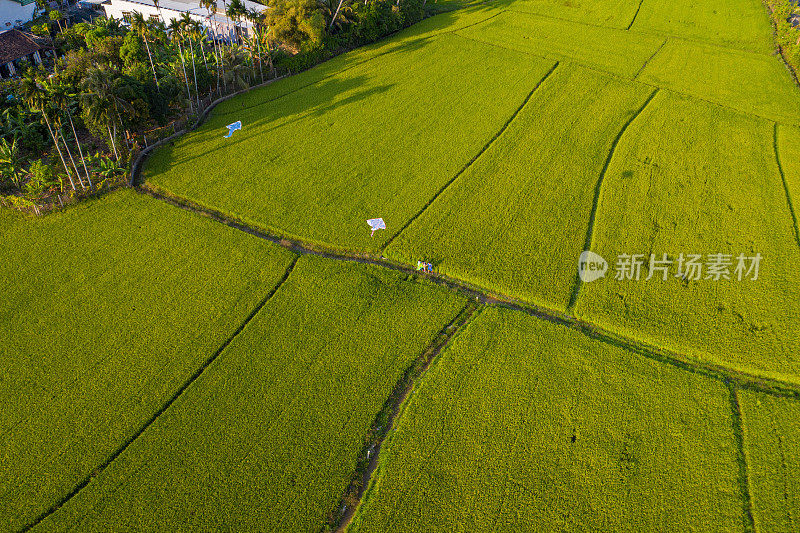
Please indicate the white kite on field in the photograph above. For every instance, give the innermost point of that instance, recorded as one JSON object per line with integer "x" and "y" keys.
{"x": 376, "y": 224}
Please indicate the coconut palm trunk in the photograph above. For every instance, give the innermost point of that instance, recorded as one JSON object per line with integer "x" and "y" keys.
{"x": 152, "y": 65}
{"x": 185, "y": 76}
{"x": 58, "y": 147}
{"x": 71, "y": 159}
{"x": 80, "y": 150}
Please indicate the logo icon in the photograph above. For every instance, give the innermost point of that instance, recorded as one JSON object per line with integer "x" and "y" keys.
{"x": 591, "y": 267}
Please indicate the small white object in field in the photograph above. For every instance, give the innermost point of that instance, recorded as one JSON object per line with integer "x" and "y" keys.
{"x": 233, "y": 127}
{"x": 376, "y": 224}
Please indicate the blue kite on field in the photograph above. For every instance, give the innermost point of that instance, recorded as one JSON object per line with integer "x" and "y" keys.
{"x": 233, "y": 127}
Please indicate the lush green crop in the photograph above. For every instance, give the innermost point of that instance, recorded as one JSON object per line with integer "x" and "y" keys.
{"x": 736, "y": 23}
{"x": 749, "y": 82}
{"x": 524, "y": 425}
{"x": 516, "y": 220}
{"x": 361, "y": 144}
{"x": 107, "y": 309}
{"x": 789, "y": 153}
{"x": 694, "y": 178}
{"x": 772, "y": 441}
{"x": 611, "y": 50}
{"x": 611, "y": 13}
{"x": 267, "y": 437}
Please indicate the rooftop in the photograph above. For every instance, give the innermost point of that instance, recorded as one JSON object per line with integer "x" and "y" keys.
{"x": 15, "y": 44}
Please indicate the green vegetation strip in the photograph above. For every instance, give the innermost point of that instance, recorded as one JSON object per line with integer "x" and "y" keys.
{"x": 693, "y": 178}
{"x": 268, "y": 436}
{"x": 521, "y": 424}
{"x": 772, "y": 443}
{"x": 107, "y": 309}
{"x": 361, "y": 144}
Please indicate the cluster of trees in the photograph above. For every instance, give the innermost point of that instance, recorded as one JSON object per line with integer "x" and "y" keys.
{"x": 787, "y": 36}
{"x": 68, "y": 125}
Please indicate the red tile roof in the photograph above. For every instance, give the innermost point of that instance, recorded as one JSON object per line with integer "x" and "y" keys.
{"x": 15, "y": 44}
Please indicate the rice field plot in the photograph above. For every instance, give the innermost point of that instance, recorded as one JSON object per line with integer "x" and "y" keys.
{"x": 107, "y": 309}
{"x": 788, "y": 147}
{"x": 611, "y": 13}
{"x": 377, "y": 140}
{"x": 772, "y": 443}
{"x": 516, "y": 221}
{"x": 696, "y": 179}
{"x": 610, "y": 50}
{"x": 742, "y": 24}
{"x": 752, "y": 83}
{"x": 268, "y": 436}
{"x": 524, "y": 425}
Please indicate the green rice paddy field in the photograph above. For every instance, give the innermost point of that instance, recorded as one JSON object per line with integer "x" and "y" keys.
{"x": 170, "y": 372}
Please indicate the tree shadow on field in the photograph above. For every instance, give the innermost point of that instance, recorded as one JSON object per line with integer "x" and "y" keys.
{"x": 405, "y": 46}
{"x": 297, "y": 108}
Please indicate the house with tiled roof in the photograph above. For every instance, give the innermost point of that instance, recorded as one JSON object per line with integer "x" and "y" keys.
{"x": 18, "y": 46}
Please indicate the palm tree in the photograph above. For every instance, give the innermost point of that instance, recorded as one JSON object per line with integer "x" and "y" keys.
{"x": 234, "y": 11}
{"x": 59, "y": 100}
{"x": 235, "y": 66}
{"x": 37, "y": 99}
{"x": 55, "y": 16}
{"x": 175, "y": 35}
{"x": 103, "y": 101}
{"x": 63, "y": 98}
{"x": 211, "y": 7}
{"x": 255, "y": 19}
{"x": 188, "y": 26}
{"x": 141, "y": 26}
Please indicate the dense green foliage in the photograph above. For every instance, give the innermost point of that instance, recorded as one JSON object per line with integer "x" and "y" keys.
{"x": 523, "y": 425}
{"x": 107, "y": 309}
{"x": 694, "y": 178}
{"x": 267, "y": 438}
{"x": 489, "y": 227}
{"x": 359, "y": 144}
{"x": 772, "y": 441}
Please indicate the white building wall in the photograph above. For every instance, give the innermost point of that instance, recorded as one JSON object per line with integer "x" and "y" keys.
{"x": 174, "y": 10}
{"x": 11, "y": 11}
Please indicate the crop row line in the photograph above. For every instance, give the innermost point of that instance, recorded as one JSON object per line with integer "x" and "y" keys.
{"x": 471, "y": 161}
{"x": 647, "y": 61}
{"x": 635, "y": 15}
{"x": 392, "y": 409}
{"x": 743, "y": 379}
{"x": 785, "y": 185}
{"x": 741, "y": 459}
{"x": 161, "y": 410}
{"x": 573, "y": 299}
